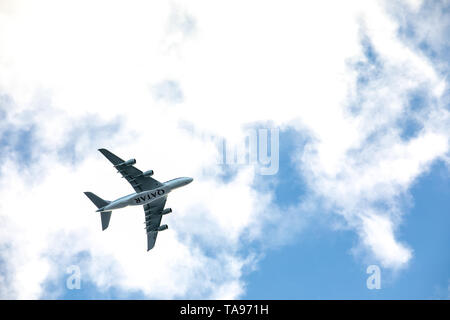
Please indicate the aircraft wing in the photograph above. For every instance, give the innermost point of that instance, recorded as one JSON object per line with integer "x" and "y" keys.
{"x": 153, "y": 220}
{"x": 131, "y": 174}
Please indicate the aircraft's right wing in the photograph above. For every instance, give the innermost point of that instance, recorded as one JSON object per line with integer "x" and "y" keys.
{"x": 153, "y": 220}
{"x": 131, "y": 174}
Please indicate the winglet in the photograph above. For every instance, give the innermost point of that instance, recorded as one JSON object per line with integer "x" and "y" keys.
{"x": 115, "y": 160}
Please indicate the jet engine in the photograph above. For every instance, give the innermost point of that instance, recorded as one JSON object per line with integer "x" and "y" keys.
{"x": 148, "y": 173}
{"x": 166, "y": 211}
{"x": 128, "y": 163}
{"x": 162, "y": 227}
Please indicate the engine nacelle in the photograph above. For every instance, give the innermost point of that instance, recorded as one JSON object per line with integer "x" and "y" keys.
{"x": 148, "y": 173}
{"x": 162, "y": 227}
{"x": 166, "y": 211}
{"x": 128, "y": 163}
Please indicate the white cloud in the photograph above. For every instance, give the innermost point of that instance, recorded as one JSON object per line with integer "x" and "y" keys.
{"x": 378, "y": 234}
{"x": 414, "y": 4}
{"x": 291, "y": 63}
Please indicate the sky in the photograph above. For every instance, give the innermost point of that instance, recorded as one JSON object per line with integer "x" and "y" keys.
{"x": 317, "y": 134}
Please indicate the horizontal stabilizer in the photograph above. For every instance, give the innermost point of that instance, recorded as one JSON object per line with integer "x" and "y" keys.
{"x": 99, "y": 202}
{"x": 106, "y": 216}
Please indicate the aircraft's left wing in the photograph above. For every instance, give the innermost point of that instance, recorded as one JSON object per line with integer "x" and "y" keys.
{"x": 134, "y": 176}
{"x": 153, "y": 220}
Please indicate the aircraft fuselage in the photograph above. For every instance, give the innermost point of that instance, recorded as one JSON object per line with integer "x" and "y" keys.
{"x": 145, "y": 197}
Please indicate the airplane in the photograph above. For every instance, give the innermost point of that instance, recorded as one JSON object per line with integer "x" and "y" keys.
{"x": 150, "y": 193}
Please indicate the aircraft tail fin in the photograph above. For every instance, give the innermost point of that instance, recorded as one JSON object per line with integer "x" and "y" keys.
{"x": 100, "y": 203}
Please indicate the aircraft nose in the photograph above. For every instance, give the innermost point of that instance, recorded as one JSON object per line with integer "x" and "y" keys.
{"x": 189, "y": 180}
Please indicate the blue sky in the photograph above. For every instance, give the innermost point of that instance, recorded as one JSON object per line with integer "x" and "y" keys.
{"x": 319, "y": 265}
{"x": 361, "y": 105}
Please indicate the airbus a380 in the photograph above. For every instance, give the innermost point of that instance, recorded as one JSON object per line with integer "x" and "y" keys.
{"x": 150, "y": 193}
